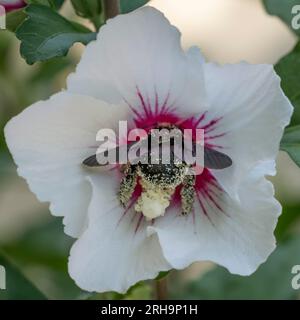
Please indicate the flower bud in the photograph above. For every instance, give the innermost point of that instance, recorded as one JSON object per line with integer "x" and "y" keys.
{"x": 10, "y": 5}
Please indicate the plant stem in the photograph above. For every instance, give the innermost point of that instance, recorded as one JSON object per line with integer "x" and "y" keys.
{"x": 111, "y": 8}
{"x": 161, "y": 288}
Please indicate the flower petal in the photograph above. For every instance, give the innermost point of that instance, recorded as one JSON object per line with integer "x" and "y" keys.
{"x": 114, "y": 252}
{"x": 240, "y": 237}
{"x": 137, "y": 57}
{"x": 49, "y": 141}
{"x": 253, "y": 112}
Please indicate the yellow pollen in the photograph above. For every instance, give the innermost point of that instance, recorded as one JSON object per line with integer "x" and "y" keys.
{"x": 154, "y": 200}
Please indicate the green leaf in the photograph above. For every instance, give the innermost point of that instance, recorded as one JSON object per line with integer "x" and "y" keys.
{"x": 18, "y": 287}
{"x": 271, "y": 281}
{"x": 288, "y": 68}
{"x": 41, "y": 2}
{"x": 291, "y": 143}
{"x": 14, "y": 19}
{"x": 54, "y": 4}
{"x": 130, "y": 5}
{"x": 282, "y": 9}
{"x": 45, "y": 34}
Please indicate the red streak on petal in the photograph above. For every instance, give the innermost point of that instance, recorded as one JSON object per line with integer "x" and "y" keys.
{"x": 203, "y": 185}
{"x": 164, "y": 106}
{"x": 130, "y": 205}
{"x": 146, "y": 107}
{"x": 210, "y": 126}
{"x": 141, "y": 218}
{"x": 215, "y": 136}
{"x": 212, "y": 199}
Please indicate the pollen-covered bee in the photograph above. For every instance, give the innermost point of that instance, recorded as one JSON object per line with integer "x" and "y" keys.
{"x": 159, "y": 178}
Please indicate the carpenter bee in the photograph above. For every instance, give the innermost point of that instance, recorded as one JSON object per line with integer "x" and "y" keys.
{"x": 159, "y": 179}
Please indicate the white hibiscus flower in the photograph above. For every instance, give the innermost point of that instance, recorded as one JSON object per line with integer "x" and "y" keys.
{"x": 136, "y": 70}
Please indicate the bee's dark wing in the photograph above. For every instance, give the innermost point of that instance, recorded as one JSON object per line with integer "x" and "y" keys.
{"x": 215, "y": 159}
{"x": 212, "y": 159}
{"x": 92, "y": 161}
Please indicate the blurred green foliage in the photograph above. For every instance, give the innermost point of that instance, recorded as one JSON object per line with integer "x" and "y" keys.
{"x": 288, "y": 68}
{"x": 130, "y": 5}
{"x": 87, "y": 8}
{"x": 42, "y": 254}
{"x": 282, "y": 9}
{"x": 271, "y": 281}
{"x": 21, "y": 85}
{"x": 18, "y": 287}
{"x": 33, "y": 260}
{"x": 289, "y": 218}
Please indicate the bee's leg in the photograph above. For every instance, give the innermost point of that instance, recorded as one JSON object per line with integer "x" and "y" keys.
{"x": 127, "y": 185}
{"x": 187, "y": 194}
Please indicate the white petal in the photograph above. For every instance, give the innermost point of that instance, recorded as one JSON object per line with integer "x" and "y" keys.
{"x": 112, "y": 255}
{"x": 240, "y": 238}
{"x": 49, "y": 141}
{"x": 140, "y": 52}
{"x": 254, "y": 112}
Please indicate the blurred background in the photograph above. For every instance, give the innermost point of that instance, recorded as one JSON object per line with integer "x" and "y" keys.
{"x": 32, "y": 242}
